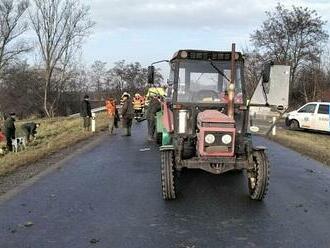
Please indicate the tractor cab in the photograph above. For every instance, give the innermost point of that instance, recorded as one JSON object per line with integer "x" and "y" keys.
{"x": 201, "y": 82}
{"x": 203, "y": 77}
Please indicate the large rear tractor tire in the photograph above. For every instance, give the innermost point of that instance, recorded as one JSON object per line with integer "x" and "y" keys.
{"x": 258, "y": 176}
{"x": 168, "y": 175}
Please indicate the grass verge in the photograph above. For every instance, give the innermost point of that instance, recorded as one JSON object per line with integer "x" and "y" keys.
{"x": 312, "y": 144}
{"x": 53, "y": 135}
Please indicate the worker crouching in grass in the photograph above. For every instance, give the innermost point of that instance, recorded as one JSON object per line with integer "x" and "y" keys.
{"x": 127, "y": 113}
{"x": 30, "y": 130}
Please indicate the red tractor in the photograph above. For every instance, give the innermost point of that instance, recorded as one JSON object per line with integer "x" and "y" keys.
{"x": 205, "y": 120}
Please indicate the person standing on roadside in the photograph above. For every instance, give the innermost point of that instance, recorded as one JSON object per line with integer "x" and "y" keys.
{"x": 110, "y": 106}
{"x": 10, "y": 130}
{"x": 127, "y": 113}
{"x": 86, "y": 113}
{"x": 154, "y": 107}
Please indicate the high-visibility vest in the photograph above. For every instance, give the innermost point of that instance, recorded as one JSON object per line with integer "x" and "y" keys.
{"x": 111, "y": 108}
{"x": 137, "y": 103}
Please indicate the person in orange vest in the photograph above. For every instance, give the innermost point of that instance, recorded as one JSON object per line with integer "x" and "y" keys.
{"x": 138, "y": 105}
{"x": 112, "y": 112}
{"x": 142, "y": 100}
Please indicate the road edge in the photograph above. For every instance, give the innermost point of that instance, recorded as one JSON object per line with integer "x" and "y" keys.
{"x": 52, "y": 168}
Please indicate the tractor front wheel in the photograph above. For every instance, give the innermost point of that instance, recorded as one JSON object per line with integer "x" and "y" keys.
{"x": 258, "y": 176}
{"x": 168, "y": 175}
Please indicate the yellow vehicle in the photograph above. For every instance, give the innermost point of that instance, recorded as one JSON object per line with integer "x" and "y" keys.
{"x": 155, "y": 91}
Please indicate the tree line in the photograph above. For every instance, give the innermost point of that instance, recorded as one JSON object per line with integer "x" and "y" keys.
{"x": 53, "y": 32}
{"x": 297, "y": 37}
{"x": 22, "y": 87}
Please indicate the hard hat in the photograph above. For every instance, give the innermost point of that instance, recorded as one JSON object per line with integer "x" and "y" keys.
{"x": 126, "y": 94}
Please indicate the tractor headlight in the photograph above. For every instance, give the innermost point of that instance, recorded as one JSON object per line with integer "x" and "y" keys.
{"x": 210, "y": 139}
{"x": 226, "y": 139}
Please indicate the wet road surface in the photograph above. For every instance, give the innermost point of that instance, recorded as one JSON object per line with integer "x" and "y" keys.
{"x": 109, "y": 196}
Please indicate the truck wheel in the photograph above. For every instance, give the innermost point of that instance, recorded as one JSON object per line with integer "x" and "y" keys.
{"x": 294, "y": 125}
{"x": 168, "y": 175}
{"x": 258, "y": 177}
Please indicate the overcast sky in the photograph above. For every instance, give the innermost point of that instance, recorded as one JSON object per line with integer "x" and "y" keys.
{"x": 149, "y": 30}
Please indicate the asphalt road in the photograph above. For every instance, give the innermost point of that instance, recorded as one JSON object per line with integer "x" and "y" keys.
{"x": 109, "y": 196}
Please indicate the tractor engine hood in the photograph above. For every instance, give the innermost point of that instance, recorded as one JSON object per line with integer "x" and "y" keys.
{"x": 215, "y": 117}
{"x": 216, "y": 136}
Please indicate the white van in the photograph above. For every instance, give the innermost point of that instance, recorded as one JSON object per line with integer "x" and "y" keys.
{"x": 313, "y": 115}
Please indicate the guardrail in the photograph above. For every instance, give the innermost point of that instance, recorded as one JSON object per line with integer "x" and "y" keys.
{"x": 95, "y": 110}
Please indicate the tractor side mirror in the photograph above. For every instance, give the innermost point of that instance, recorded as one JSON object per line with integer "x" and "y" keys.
{"x": 273, "y": 88}
{"x": 151, "y": 74}
{"x": 266, "y": 76}
{"x": 266, "y": 72}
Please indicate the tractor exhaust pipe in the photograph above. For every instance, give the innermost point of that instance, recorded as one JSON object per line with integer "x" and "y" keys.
{"x": 231, "y": 87}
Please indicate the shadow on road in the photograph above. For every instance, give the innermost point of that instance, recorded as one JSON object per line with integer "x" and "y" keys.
{"x": 209, "y": 193}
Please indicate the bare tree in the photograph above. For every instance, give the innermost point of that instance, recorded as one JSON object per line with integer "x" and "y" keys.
{"x": 295, "y": 37}
{"x": 22, "y": 86}
{"x": 254, "y": 62}
{"x": 79, "y": 82}
{"x": 98, "y": 76}
{"x": 12, "y": 26}
{"x": 131, "y": 76}
{"x": 60, "y": 26}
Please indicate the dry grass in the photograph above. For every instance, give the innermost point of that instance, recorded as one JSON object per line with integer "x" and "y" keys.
{"x": 53, "y": 135}
{"x": 313, "y": 144}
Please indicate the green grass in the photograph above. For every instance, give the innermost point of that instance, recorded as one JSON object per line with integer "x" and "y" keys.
{"x": 53, "y": 135}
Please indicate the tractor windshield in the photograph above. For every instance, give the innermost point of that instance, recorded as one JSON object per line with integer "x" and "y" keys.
{"x": 206, "y": 81}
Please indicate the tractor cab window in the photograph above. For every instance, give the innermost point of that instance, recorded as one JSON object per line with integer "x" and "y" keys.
{"x": 170, "y": 85}
{"x": 206, "y": 82}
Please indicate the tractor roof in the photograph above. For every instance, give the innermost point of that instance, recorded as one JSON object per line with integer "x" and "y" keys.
{"x": 206, "y": 55}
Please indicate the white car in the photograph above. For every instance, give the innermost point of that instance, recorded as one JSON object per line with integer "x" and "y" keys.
{"x": 313, "y": 115}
